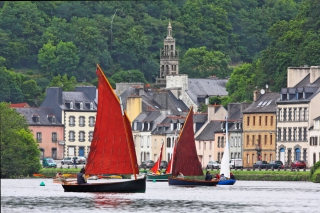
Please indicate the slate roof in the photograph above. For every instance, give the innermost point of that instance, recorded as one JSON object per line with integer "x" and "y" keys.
{"x": 265, "y": 103}
{"x": 201, "y": 88}
{"x": 200, "y": 118}
{"x": 45, "y": 116}
{"x": 208, "y": 132}
{"x": 164, "y": 126}
{"x": 169, "y": 101}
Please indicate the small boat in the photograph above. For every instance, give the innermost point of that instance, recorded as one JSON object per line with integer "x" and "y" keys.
{"x": 154, "y": 176}
{"x": 185, "y": 158}
{"x": 112, "y": 148}
{"x": 225, "y": 165}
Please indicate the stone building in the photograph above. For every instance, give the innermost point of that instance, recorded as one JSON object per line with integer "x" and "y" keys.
{"x": 296, "y": 110}
{"x": 259, "y": 129}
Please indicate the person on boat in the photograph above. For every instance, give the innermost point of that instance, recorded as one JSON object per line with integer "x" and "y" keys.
{"x": 180, "y": 175}
{"x": 208, "y": 176}
{"x": 81, "y": 177}
{"x": 217, "y": 176}
{"x": 231, "y": 176}
{"x": 222, "y": 178}
{"x": 59, "y": 175}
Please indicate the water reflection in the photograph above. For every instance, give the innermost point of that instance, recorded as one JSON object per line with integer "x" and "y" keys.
{"x": 245, "y": 196}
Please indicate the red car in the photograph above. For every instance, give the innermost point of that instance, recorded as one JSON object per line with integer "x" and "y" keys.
{"x": 298, "y": 164}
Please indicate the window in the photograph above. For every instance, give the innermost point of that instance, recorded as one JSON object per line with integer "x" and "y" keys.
{"x": 289, "y": 134}
{"x": 279, "y": 134}
{"x": 265, "y": 157}
{"x": 247, "y": 140}
{"x": 90, "y": 136}
{"x": 54, "y": 137}
{"x": 81, "y": 136}
{"x": 294, "y": 114}
{"x": 218, "y": 142}
{"x": 71, "y": 105}
{"x": 38, "y": 119}
{"x": 265, "y": 140}
{"x": 304, "y": 154}
{"x": 300, "y": 134}
{"x": 300, "y": 114}
{"x": 297, "y": 154}
{"x": 231, "y": 155}
{"x": 53, "y": 119}
{"x": 81, "y": 105}
{"x": 141, "y": 141}
{"x": 270, "y": 139}
{"x": 91, "y": 120}
{"x": 222, "y": 142}
{"x": 260, "y": 120}
{"x": 284, "y": 134}
{"x": 290, "y": 114}
{"x": 253, "y": 158}
{"x": 231, "y": 142}
{"x": 304, "y": 134}
{"x": 248, "y": 159}
{"x": 71, "y": 121}
{"x": 271, "y": 121}
{"x": 235, "y": 141}
{"x": 266, "y": 120}
{"x": 239, "y": 141}
{"x": 271, "y": 157}
{"x": 248, "y": 121}
{"x": 91, "y": 106}
{"x": 71, "y": 150}
{"x": 253, "y": 140}
{"x": 284, "y": 114}
{"x": 71, "y": 136}
{"x": 148, "y": 141}
{"x": 305, "y": 116}
{"x": 81, "y": 121}
{"x": 294, "y": 134}
{"x": 39, "y": 137}
{"x": 218, "y": 156}
{"x": 254, "y": 120}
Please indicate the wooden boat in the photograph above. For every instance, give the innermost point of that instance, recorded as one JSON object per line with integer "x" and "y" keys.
{"x": 112, "y": 148}
{"x": 185, "y": 158}
{"x": 154, "y": 176}
{"x": 225, "y": 165}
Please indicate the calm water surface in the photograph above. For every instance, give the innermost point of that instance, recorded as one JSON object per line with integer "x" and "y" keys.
{"x": 26, "y": 195}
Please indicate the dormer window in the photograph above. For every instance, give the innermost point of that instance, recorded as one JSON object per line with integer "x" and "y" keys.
{"x": 36, "y": 118}
{"x": 135, "y": 124}
{"x": 71, "y": 105}
{"x": 148, "y": 126}
{"x": 142, "y": 126}
{"x": 171, "y": 126}
{"x": 91, "y": 106}
{"x": 81, "y": 105}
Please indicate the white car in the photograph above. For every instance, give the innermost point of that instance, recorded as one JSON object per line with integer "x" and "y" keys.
{"x": 213, "y": 165}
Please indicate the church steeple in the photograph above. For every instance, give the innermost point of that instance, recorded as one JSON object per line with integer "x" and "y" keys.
{"x": 169, "y": 58}
{"x": 169, "y": 35}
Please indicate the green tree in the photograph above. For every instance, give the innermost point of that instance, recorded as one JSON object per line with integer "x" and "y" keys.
{"x": 47, "y": 59}
{"x": 20, "y": 154}
{"x": 129, "y": 76}
{"x": 30, "y": 91}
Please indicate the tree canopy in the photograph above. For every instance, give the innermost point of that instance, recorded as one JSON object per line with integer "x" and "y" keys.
{"x": 20, "y": 155}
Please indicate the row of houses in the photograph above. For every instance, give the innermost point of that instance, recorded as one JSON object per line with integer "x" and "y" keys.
{"x": 275, "y": 126}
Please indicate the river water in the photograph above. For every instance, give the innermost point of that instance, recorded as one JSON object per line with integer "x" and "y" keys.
{"x": 26, "y": 195}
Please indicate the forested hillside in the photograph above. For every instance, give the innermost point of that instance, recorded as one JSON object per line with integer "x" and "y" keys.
{"x": 58, "y": 43}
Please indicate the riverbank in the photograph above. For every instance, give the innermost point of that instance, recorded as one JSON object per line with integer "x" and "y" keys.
{"x": 257, "y": 175}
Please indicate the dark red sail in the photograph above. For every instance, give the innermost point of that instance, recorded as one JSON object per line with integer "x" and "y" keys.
{"x": 185, "y": 159}
{"x": 112, "y": 148}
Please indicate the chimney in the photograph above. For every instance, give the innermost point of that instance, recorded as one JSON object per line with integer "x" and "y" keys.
{"x": 314, "y": 73}
{"x": 255, "y": 94}
{"x": 54, "y": 94}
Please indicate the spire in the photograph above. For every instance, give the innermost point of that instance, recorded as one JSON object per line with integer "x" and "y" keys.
{"x": 169, "y": 35}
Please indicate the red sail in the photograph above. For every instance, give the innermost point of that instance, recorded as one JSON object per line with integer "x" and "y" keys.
{"x": 168, "y": 170}
{"x": 156, "y": 166}
{"x": 185, "y": 159}
{"x": 112, "y": 149}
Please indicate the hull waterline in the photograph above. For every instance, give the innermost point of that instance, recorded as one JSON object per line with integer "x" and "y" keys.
{"x": 163, "y": 177}
{"x": 127, "y": 186}
{"x": 188, "y": 182}
{"x": 227, "y": 182}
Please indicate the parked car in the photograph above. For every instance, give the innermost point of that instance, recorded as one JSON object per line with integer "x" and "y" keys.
{"x": 143, "y": 165}
{"x": 149, "y": 164}
{"x": 276, "y": 164}
{"x": 298, "y": 164}
{"x": 236, "y": 163}
{"x": 260, "y": 164}
{"x": 163, "y": 164}
{"x": 213, "y": 165}
{"x": 67, "y": 161}
{"x": 81, "y": 160}
{"x": 49, "y": 163}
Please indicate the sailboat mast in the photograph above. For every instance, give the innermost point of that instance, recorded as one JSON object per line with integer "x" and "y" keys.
{"x": 127, "y": 137}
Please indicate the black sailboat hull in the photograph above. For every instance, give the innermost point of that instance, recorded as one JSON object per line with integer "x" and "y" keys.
{"x": 127, "y": 186}
{"x": 188, "y": 182}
